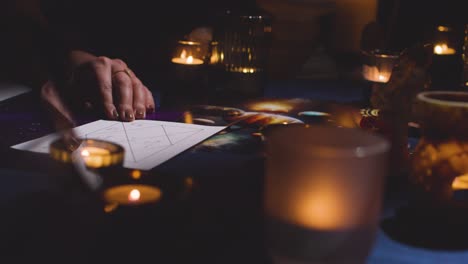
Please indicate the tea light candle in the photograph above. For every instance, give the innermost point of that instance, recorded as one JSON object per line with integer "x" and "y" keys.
{"x": 188, "y": 53}
{"x": 132, "y": 194}
{"x": 95, "y": 153}
{"x": 443, "y": 49}
{"x": 189, "y": 60}
{"x": 378, "y": 65}
{"x": 94, "y": 157}
{"x": 444, "y": 40}
{"x": 323, "y": 189}
{"x": 318, "y": 191}
{"x": 372, "y": 73}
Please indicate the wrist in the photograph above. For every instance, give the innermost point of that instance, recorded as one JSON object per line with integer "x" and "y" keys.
{"x": 78, "y": 57}
{"x": 74, "y": 59}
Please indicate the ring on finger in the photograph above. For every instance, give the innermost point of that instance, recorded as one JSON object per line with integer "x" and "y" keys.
{"x": 126, "y": 71}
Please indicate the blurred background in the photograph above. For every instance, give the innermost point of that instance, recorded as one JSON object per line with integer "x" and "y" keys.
{"x": 317, "y": 39}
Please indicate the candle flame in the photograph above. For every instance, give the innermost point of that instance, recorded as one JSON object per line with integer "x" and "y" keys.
{"x": 134, "y": 195}
{"x": 442, "y": 49}
{"x": 190, "y": 60}
{"x": 443, "y": 28}
{"x": 183, "y": 54}
{"x": 85, "y": 153}
{"x": 438, "y": 49}
{"x": 374, "y": 74}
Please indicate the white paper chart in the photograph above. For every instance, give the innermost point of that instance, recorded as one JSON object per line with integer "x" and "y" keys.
{"x": 147, "y": 143}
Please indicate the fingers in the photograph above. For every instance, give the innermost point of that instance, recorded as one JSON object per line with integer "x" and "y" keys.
{"x": 139, "y": 98}
{"x": 149, "y": 101}
{"x": 123, "y": 89}
{"x": 103, "y": 72}
{"x": 134, "y": 98}
{"x": 124, "y": 97}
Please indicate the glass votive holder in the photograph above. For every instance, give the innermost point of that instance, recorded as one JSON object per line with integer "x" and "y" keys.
{"x": 445, "y": 40}
{"x": 378, "y": 65}
{"x": 97, "y": 154}
{"x": 101, "y": 158}
{"x": 130, "y": 195}
{"x": 323, "y": 193}
{"x": 243, "y": 41}
{"x": 188, "y": 73}
{"x": 447, "y": 66}
{"x": 188, "y": 53}
{"x": 215, "y": 54}
{"x": 440, "y": 159}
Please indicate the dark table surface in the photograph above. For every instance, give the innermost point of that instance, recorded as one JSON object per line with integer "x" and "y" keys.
{"x": 212, "y": 213}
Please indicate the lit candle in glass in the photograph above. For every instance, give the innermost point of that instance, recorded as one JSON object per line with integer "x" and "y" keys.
{"x": 132, "y": 194}
{"x": 216, "y": 56}
{"x": 188, "y": 53}
{"x": 95, "y": 153}
{"x": 378, "y": 65}
{"x": 94, "y": 156}
{"x": 443, "y": 41}
{"x": 323, "y": 190}
{"x": 443, "y": 49}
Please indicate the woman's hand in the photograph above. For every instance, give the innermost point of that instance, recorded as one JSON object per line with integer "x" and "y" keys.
{"x": 109, "y": 86}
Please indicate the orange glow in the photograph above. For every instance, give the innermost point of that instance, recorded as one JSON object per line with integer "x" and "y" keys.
{"x": 443, "y": 28}
{"x": 243, "y": 69}
{"x": 189, "y": 181}
{"x": 134, "y": 195}
{"x": 323, "y": 209}
{"x": 184, "y": 58}
{"x": 271, "y": 107}
{"x": 443, "y": 49}
{"x": 95, "y": 157}
{"x": 460, "y": 182}
{"x": 190, "y": 60}
{"x": 188, "y": 117}
{"x": 136, "y": 174}
{"x": 110, "y": 207}
{"x": 372, "y": 73}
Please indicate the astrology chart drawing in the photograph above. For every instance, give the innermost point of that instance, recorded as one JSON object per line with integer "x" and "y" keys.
{"x": 147, "y": 143}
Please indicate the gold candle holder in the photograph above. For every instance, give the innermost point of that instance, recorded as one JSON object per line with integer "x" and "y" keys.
{"x": 97, "y": 154}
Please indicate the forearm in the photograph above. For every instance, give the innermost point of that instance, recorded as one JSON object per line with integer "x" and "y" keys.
{"x": 63, "y": 44}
